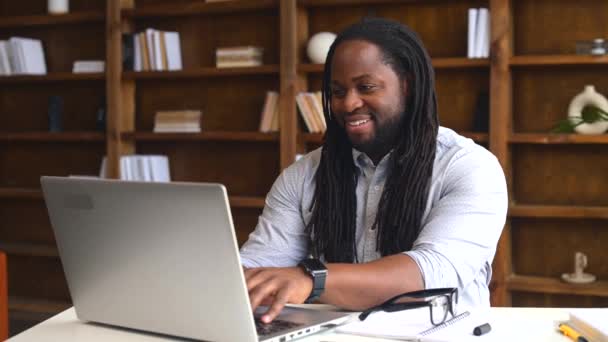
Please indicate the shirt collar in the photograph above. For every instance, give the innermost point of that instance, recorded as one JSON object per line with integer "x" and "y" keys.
{"x": 362, "y": 160}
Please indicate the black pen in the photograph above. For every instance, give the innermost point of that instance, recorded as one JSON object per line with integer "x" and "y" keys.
{"x": 482, "y": 329}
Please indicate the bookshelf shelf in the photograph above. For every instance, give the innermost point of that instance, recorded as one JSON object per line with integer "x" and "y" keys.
{"x": 321, "y": 3}
{"x": 557, "y": 60}
{"x": 53, "y": 77}
{"x": 558, "y": 211}
{"x": 201, "y": 72}
{"x": 541, "y": 138}
{"x": 29, "y": 249}
{"x": 52, "y": 137}
{"x": 36, "y": 305}
{"x": 200, "y": 8}
{"x": 556, "y": 286}
{"x": 45, "y": 20}
{"x": 20, "y": 193}
{"x": 438, "y": 63}
{"x": 317, "y": 138}
{"x": 204, "y": 136}
{"x": 247, "y": 202}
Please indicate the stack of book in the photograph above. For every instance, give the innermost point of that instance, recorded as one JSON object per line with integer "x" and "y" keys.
{"x": 144, "y": 168}
{"x": 479, "y": 33}
{"x": 269, "y": 121}
{"x": 22, "y": 56}
{"x": 178, "y": 121}
{"x": 152, "y": 50}
{"x": 311, "y": 109}
{"x": 88, "y": 66}
{"x": 238, "y": 56}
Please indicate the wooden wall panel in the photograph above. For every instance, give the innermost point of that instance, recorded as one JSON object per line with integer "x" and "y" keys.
{"x": 560, "y": 175}
{"x": 558, "y": 301}
{"x": 457, "y": 93}
{"x": 546, "y": 27}
{"x": 205, "y": 34}
{"x": 443, "y": 29}
{"x": 25, "y": 220}
{"x": 228, "y": 104}
{"x": 541, "y": 95}
{"x": 546, "y": 247}
{"x": 24, "y": 107}
{"x": 22, "y": 164}
{"x": 63, "y": 44}
{"x": 246, "y": 169}
{"x": 36, "y": 7}
{"x": 37, "y": 277}
{"x": 245, "y": 221}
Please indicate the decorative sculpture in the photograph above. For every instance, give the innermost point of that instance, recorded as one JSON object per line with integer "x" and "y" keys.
{"x": 579, "y": 277}
{"x": 318, "y": 46}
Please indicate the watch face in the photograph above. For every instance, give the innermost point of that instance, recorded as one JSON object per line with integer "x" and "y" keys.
{"x": 314, "y": 264}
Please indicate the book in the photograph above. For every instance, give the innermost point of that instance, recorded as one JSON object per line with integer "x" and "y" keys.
{"x": 177, "y": 121}
{"x": 268, "y": 111}
{"x": 238, "y": 56}
{"x": 472, "y": 32}
{"x": 145, "y": 168}
{"x": 88, "y": 66}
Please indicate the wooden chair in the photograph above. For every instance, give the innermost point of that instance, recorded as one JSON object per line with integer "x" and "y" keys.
{"x": 3, "y": 298}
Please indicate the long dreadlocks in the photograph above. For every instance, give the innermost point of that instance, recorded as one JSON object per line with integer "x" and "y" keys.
{"x": 334, "y": 207}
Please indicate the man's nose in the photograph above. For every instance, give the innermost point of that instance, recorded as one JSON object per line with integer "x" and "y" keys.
{"x": 352, "y": 101}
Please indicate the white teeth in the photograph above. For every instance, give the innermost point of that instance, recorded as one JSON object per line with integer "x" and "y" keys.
{"x": 358, "y": 122}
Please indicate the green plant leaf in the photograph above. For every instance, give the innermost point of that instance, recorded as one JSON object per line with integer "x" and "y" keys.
{"x": 564, "y": 126}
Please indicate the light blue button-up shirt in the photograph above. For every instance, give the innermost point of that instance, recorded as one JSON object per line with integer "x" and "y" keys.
{"x": 464, "y": 216}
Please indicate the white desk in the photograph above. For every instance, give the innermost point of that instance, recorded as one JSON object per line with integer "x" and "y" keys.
{"x": 508, "y": 324}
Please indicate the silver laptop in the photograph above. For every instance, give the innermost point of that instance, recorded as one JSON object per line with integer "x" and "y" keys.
{"x": 160, "y": 257}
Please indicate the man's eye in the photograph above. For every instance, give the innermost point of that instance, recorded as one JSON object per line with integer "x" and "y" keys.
{"x": 338, "y": 93}
{"x": 366, "y": 87}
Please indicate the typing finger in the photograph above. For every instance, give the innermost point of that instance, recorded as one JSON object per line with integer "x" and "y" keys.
{"x": 280, "y": 299}
{"x": 261, "y": 292}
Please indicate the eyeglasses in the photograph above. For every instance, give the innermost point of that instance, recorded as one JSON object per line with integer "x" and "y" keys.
{"x": 440, "y": 301}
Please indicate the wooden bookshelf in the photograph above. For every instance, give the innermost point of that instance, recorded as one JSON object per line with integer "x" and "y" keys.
{"x": 438, "y": 63}
{"x": 36, "y": 305}
{"x": 558, "y": 211}
{"x": 53, "y": 137}
{"x": 202, "y": 72}
{"x": 247, "y": 202}
{"x": 199, "y": 8}
{"x": 203, "y": 136}
{"x": 556, "y": 286}
{"x": 544, "y": 138}
{"x": 47, "y": 20}
{"x": 53, "y": 77}
{"x": 29, "y": 249}
{"x": 558, "y": 60}
{"x": 20, "y": 193}
{"x": 29, "y": 150}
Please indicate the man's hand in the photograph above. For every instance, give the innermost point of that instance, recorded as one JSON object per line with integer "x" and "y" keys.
{"x": 276, "y": 287}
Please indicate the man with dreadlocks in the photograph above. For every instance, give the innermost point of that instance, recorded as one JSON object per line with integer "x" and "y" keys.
{"x": 391, "y": 202}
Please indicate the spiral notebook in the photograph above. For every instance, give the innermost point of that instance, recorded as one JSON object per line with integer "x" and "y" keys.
{"x": 414, "y": 325}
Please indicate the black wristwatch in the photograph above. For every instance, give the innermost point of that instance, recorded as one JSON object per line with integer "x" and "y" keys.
{"x": 318, "y": 272}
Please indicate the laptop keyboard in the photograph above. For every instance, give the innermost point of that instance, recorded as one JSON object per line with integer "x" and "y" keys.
{"x": 273, "y": 327}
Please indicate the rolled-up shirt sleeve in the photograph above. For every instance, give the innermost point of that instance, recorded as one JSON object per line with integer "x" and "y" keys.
{"x": 459, "y": 236}
{"x": 279, "y": 239}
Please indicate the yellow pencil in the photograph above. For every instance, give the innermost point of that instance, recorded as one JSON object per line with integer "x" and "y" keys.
{"x": 570, "y": 332}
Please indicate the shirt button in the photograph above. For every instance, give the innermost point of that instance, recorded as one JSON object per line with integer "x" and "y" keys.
{"x": 377, "y": 187}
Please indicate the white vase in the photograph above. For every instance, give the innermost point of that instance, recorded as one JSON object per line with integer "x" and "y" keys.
{"x": 588, "y": 97}
{"x": 58, "y": 6}
{"x": 318, "y": 46}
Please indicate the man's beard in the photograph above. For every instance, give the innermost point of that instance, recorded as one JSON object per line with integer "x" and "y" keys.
{"x": 385, "y": 138}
